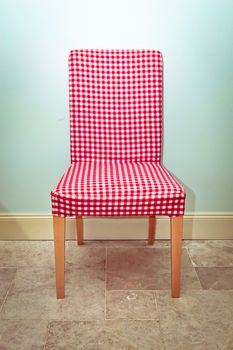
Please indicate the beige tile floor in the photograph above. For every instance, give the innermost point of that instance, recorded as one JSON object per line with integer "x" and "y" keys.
{"x": 117, "y": 297}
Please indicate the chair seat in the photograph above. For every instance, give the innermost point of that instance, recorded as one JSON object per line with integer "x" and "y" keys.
{"x": 116, "y": 188}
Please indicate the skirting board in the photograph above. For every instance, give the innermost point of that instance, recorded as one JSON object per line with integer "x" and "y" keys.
{"x": 39, "y": 227}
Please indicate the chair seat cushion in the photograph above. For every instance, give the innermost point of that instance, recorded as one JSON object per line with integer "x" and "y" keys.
{"x": 117, "y": 188}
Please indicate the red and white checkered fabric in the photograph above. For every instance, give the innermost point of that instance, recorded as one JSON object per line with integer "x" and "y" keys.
{"x": 116, "y": 137}
{"x": 115, "y": 105}
{"x": 109, "y": 188}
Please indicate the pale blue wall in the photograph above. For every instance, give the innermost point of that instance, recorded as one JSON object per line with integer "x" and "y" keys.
{"x": 196, "y": 39}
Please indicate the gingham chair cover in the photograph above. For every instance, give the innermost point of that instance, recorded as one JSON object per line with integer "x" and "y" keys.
{"x": 116, "y": 138}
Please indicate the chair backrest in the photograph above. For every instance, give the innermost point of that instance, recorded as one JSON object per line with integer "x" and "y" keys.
{"x": 115, "y": 105}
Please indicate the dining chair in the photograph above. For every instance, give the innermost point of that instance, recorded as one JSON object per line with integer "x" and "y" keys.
{"x": 116, "y": 99}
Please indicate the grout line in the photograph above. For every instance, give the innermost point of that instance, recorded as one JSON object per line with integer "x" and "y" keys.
{"x": 156, "y": 303}
{"x": 50, "y": 320}
{"x": 195, "y": 269}
{"x": 47, "y": 333}
{"x": 131, "y": 319}
{"x": 190, "y": 256}
{"x": 135, "y": 290}
{"x": 158, "y": 311}
{"x": 4, "y": 300}
{"x": 138, "y": 247}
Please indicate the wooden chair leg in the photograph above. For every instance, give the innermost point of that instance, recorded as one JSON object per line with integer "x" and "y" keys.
{"x": 79, "y": 229}
{"x": 59, "y": 245}
{"x": 176, "y": 230}
{"x": 151, "y": 230}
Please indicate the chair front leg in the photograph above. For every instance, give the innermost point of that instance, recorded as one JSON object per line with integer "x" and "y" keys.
{"x": 176, "y": 224}
{"x": 59, "y": 246}
{"x": 79, "y": 229}
{"x": 151, "y": 230}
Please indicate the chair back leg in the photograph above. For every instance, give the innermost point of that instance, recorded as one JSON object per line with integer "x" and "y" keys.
{"x": 79, "y": 229}
{"x": 151, "y": 230}
{"x": 176, "y": 224}
{"x": 59, "y": 246}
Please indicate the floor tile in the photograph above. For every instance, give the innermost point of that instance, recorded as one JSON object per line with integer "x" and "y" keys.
{"x": 116, "y": 243}
{"x": 143, "y": 269}
{"x": 211, "y": 253}
{"x": 105, "y": 335}
{"x": 146, "y": 257}
{"x": 42, "y": 254}
{"x": 6, "y": 277}
{"x": 84, "y": 257}
{"x": 26, "y": 253}
{"x": 132, "y": 305}
{"x": 162, "y": 243}
{"x": 23, "y": 335}
{"x": 215, "y": 277}
{"x": 32, "y": 295}
{"x": 160, "y": 278}
{"x": 200, "y": 320}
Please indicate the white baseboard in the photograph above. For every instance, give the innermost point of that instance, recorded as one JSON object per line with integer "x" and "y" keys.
{"x": 39, "y": 227}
